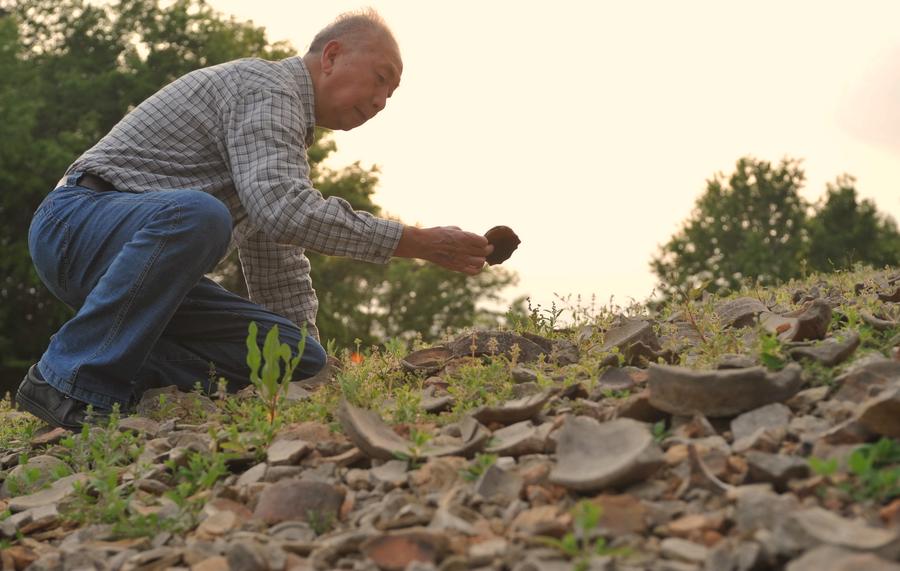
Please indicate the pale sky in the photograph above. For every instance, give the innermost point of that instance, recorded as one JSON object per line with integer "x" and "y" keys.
{"x": 590, "y": 128}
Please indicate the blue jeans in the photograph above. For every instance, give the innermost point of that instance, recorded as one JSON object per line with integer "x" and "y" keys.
{"x": 132, "y": 265}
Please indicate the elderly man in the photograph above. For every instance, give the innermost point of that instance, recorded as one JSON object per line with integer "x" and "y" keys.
{"x": 218, "y": 155}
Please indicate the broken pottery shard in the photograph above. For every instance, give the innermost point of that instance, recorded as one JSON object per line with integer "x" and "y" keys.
{"x": 830, "y": 558}
{"x": 592, "y": 456}
{"x": 881, "y": 414}
{"x": 893, "y": 297}
{"x": 400, "y": 550}
{"x": 519, "y": 439}
{"x": 877, "y": 322}
{"x": 810, "y": 324}
{"x": 512, "y": 411}
{"x": 490, "y": 343}
{"x": 777, "y": 469}
{"x": 376, "y": 439}
{"x": 370, "y": 434}
{"x": 504, "y": 241}
{"x": 632, "y": 338}
{"x": 427, "y": 361}
{"x": 686, "y": 392}
{"x": 830, "y": 352}
{"x": 740, "y": 312}
{"x": 814, "y": 526}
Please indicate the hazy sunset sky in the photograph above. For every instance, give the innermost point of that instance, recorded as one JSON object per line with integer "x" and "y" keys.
{"x": 590, "y": 128}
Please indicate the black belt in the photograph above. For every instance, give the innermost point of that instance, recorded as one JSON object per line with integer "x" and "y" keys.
{"x": 87, "y": 180}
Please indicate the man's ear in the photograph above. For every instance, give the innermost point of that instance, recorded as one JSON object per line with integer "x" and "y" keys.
{"x": 330, "y": 53}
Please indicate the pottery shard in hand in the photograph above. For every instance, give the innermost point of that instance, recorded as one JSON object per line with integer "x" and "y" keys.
{"x": 504, "y": 241}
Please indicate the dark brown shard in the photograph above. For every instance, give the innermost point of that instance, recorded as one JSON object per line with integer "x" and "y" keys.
{"x": 504, "y": 241}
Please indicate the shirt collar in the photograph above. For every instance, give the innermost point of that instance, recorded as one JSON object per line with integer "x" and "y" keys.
{"x": 307, "y": 95}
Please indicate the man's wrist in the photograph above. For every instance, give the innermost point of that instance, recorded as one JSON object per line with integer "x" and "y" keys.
{"x": 410, "y": 244}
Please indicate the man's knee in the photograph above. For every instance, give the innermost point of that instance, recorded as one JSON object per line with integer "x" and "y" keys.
{"x": 313, "y": 361}
{"x": 208, "y": 221}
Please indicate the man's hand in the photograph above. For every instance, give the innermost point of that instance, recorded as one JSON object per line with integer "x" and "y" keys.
{"x": 446, "y": 246}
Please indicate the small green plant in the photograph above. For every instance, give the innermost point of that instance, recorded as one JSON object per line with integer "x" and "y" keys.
{"x": 418, "y": 444}
{"x": 873, "y": 471}
{"x": 272, "y": 369}
{"x": 659, "y": 431}
{"x": 876, "y": 469}
{"x": 478, "y": 466}
{"x": 823, "y": 467}
{"x": 583, "y": 542}
{"x": 771, "y": 351}
{"x": 321, "y": 522}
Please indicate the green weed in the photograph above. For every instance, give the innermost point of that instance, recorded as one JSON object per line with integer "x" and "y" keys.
{"x": 272, "y": 368}
{"x": 583, "y": 542}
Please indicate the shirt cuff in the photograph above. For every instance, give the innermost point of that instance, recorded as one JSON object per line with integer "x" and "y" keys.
{"x": 385, "y": 237}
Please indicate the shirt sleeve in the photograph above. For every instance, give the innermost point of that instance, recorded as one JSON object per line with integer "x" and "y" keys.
{"x": 278, "y": 279}
{"x": 267, "y": 154}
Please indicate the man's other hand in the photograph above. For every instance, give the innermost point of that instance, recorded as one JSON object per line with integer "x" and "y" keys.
{"x": 446, "y": 246}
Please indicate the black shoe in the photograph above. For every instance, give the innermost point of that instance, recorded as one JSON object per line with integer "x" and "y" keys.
{"x": 54, "y": 407}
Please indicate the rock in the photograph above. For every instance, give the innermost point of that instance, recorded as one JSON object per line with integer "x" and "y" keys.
{"x": 876, "y": 323}
{"x": 830, "y": 558}
{"x": 246, "y": 555}
{"x": 392, "y": 473}
{"x": 286, "y": 452}
{"x": 740, "y": 312}
{"x": 770, "y": 416}
{"x": 812, "y": 527}
{"x": 682, "y": 391}
{"x": 735, "y": 362}
{"x": 638, "y": 407}
{"x": 621, "y": 514}
{"x": 613, "y": 379}
{"x": 512, "y": 411}
{"x": 499, "y": 485}
{"x": 436, "y": 400}
{"x": 632, "y": 338}
{"x": 830, "y": 352}
{"x": 521, "y": 374}
{"x": 881, "y": 414}
{"x": 57, "y": 492}
{"x": 758, "y": 507}
{"x": 490, "y": 343}
{"x": 52, "y": 436}
{"x": 504, "y": 241}
{"x": 140, "y": 425}
{"x": 396, "y": 550}
{"x": 215, "y": 563}
{"x": 865, "y": 375}
{"x": 681, "y": 549}
{"x": 427, "y": 361}
{"x": 45, "y": 467}
{"x": 178, "y": 404}
{"x": 776, "y": 469}
{"x": 592, "y": 456}
{"x": 519, "y": 439}
{"x": 253, "y": 475}
{"x": 812, "y": 323}
{"x": 542, "y": 520}
{"x": 377, "y": 440}
{"x": 299, "y": 500}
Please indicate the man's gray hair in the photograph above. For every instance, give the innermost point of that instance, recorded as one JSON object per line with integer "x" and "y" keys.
{"x": 352, "y": 26}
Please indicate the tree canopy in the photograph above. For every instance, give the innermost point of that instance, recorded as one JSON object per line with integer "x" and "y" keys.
{"x": 72, "y": 69}
{"x": 754, "y": 225}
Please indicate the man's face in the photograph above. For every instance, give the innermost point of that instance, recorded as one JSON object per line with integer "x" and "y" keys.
{"x": 357, "y": 80}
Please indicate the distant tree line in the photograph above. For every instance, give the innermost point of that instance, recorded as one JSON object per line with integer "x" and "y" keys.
{"x": 754, "y": 226}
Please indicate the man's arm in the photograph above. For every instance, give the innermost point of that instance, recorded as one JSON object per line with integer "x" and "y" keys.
{"x": 447, "y": 246}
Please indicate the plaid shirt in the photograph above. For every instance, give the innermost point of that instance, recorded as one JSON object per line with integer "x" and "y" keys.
{"x": 239, "y": 131}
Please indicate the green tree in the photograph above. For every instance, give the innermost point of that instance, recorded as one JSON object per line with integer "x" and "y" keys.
{"x": 845, "y": 231}
{"x": 749, "y": 225}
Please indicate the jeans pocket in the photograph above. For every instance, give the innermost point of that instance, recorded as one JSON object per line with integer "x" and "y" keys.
{"x": 48, "y": 242}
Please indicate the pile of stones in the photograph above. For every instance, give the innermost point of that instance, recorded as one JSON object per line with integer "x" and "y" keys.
{"x": 727, "y": 486}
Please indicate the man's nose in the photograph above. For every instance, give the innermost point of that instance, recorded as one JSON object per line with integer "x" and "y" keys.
{"x": 379, "y": 101}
